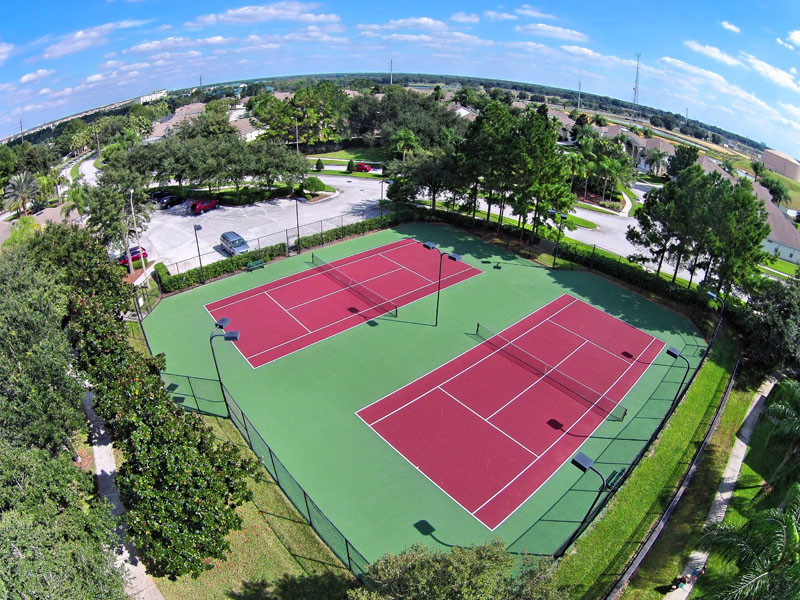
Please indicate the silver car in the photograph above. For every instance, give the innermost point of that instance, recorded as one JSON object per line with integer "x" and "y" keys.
{"x": 233, "y": 243}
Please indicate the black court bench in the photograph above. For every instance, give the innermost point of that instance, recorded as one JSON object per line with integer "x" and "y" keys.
{"x": 256, "y": 264}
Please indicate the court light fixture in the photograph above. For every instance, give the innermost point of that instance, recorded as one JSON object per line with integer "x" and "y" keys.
{"x": 197, "y": 228}
{"x": 673, "y": 352}
{"x": 452, "y": 256}
{"x": 584, "y": 464}
{"x": 228, "y": 336}
{"x": 721, "y": 299}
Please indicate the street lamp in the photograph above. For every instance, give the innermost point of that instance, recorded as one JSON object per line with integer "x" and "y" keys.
{"x": 136, "y": 231}
{"x": 452, "y": 256}
{"x": 675, "y": 353}
{"x": 561, "y": 218}
{"x": 584, "y": 463}
{"x": 721, "y": 299}
{"x": 229, "y": 336}
{"x": 197, "y": 243}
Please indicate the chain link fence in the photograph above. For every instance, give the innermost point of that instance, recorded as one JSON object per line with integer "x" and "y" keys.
{"x": 209, "y": 397}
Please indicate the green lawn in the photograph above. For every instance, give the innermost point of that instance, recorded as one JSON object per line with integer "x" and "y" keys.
{"x": 763, "y": 456}
{"x": 346, "y": 174}
{"x": 74, "y": 172}
{"x": 599, "y": 556}
{"x": 784, "y": 266}
{"x": 304, "y": 404}
{"x": 274, "y": 554}
{"x": 356, "y": 154}
{"x": 670, "y": 553}
{"x": 595, "y": 208}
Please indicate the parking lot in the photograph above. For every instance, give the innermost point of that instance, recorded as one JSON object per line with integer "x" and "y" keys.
{"x": 169, "y": 237}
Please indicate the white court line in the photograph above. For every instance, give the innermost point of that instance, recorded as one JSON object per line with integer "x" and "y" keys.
{"x": 311, "y": 272}
{"x": 561, "y": 437}
{"x": 538, "y": 380}
{"x": 404, "y": 266}
{"x": 287, "y": 312}
{"x": 356, "y": 314}
{"x": 595, "y": 344}
{"x": 518, "y": 443}
{"x": 345, "y": 289}
{"x": 465, "y": 369}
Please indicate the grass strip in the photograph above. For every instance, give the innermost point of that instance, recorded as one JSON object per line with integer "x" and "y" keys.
{"x": 350, "y": 174}
{"x": 670, "y": 553}
{"x": 594, "y": 208}
{"x": 274, "y": 555}
{"x": 784, "y": 266}
{"x": 354, "y": 154}
{"x": 600, "y": 555}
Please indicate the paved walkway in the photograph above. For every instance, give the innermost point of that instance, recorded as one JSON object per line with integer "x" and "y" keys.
{"x": 140, "y": 585}
{"x": 728, "y": 484}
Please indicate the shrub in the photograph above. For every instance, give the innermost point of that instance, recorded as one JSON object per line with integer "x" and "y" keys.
{"x": 313, "y": 184}
{"x": 351, "y": 166}
{"x": 175, "y": 283}
{"x": 319, "y": 166}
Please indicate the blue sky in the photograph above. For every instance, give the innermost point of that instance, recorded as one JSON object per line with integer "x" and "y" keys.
{"x": 733, "y": 64}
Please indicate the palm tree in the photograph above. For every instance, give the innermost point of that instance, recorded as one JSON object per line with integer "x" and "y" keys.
{"x": 404, "y": 140}
{"x": 765, "y": 551}
{"x": 576, "y": 164}
{"x": 758, "y": 168}
{"x": 783, "y": 407}
{"x": 21, "y": 190}
{"x": 76, "y": 199}
{"x": 655, "y": 159}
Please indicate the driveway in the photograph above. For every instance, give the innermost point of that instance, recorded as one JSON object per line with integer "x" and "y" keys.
{"x": 169, "y": 237}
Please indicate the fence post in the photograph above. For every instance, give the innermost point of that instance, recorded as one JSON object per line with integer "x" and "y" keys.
{"x": 347, "y": 549}
{"x": 287, "y": 242}
{"x": 274, "y": 468}
{"x": 194, "y": 396}
{"x": 321, "y": 233}
{"x": 308, "y": 510}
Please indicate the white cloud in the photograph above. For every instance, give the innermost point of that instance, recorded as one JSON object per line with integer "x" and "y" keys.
{"x": 314, "y": 33}
{"x": 278, "y": 11}
{"x": 5, "y": 51}
{"x": 730, "y": 27}
{"x": 462, "y": 17}
{"x": 36, "y": 75}
{"x": 164, "y": 27}
{"x": 784, "y": 44}
{"x": 776, "y": 75}
{"x": 499, "y": 16}
{"x": 6, "y": 87}
{"x": 551, "y": 31}
{"x": 714, "y": 53}
{"x": 526, "y": 45}
{"x": 178, "y": 42}
{"x": 87, "y": 38}
{"x": 794, "y": 37}
{"x": 62, "y": 93}
{"x": 528, "y": 11}
{"x": 794, "y": 111}
{"x": 444, "y": 39}
{"x": 45, "y": 91}
{"x": 95, "y": 78}
{"x": 605, "y": 59}
{"x": 370, "y": 30}
{"x": 134, "y": 67}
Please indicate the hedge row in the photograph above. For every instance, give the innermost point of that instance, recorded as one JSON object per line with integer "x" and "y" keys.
{"x": 174, "y": 283}
{"x": 367, "y": 225}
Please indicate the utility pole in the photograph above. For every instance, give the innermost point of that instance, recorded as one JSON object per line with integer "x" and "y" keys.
{"x": 391, "y": 71}
{"x": 579, "y": 95}
{"x": 21, "y": 135}
{"x": 636, "y": 86}
{"x": 201, "y": 81}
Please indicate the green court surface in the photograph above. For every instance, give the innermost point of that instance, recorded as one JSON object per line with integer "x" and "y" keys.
{"x": 304, "y": 404}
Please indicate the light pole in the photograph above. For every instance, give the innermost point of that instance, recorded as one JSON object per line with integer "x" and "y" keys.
{"x": 561, "y": 218}
{"x": 584, "y": 463}
{"x": 136, "y": 231}
{"x": 721, "y": 299}
{"x": 197, "y": 243}
{"x": 230, "y": 336}
{"x": 452, "y": 256}
{"x": 296, "y": 137}
{"x": 297, "y": 218}
{"x": 675, "y": 353}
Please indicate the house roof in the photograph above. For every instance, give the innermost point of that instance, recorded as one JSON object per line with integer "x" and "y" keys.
{"x": 782, "y": 230}
{"x": 244, "y": 126}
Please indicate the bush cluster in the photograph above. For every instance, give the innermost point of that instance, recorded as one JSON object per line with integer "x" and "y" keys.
{"x": 175, "y": 283}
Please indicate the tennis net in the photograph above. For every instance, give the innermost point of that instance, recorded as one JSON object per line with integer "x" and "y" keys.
{"x": 383, "y": 306}
{"x": 567, "y": 384}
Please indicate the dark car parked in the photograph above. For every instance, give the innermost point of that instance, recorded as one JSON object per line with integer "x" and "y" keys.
{"x": 197, "y": 207}
{"x": 168, "y": 201}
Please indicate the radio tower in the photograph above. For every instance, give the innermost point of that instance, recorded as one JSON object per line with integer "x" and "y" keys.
{"x": 391, "y": 71}
{"x": 636, "y": 85}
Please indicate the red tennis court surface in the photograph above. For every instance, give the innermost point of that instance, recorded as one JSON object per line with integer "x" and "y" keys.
{"x": 286, "y": 315}
{"x": 489, "y": 429}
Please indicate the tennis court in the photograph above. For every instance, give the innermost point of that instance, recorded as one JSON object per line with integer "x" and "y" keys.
{"x": 489, "y": 442}
{"x": 283, "y": 316}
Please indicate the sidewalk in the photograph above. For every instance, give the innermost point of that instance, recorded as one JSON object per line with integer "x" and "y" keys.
{"x": 139, "y": 584}
{"x": 729, "y": 478}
